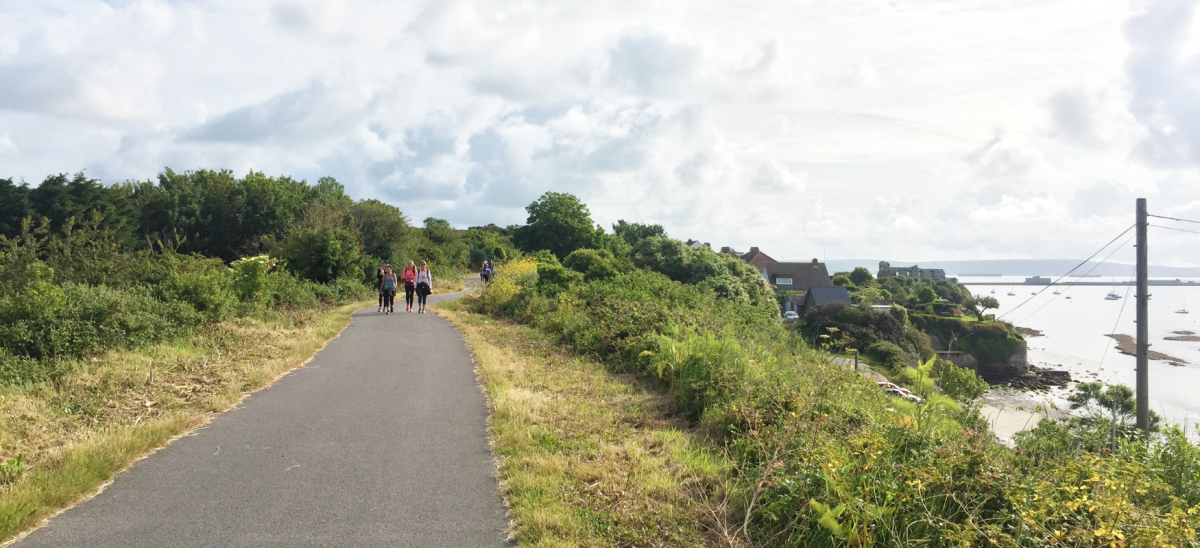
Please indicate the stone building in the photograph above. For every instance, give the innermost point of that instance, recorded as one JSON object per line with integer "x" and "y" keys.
{"x": 886, "y": 270}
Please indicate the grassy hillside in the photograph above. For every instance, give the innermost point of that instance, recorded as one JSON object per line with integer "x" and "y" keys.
{"x": 820, "y": 456}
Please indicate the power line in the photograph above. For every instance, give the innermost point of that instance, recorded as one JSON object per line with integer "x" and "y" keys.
{"x": 1069, "y": 272}
{"x": 1175, "y": 229}
{"x": 1174, "y": 219}
{"x": 1072, "y": 284}
{"x": 1109, "y": 345}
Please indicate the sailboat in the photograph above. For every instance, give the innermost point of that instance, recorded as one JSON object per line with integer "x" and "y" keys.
{"x": 1112, "y": 295}
{"x": 1012, "y": 293}
{"x": 1183, "y": 310}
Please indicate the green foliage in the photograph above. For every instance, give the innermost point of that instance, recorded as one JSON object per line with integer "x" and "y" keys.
{"x": 984, "y": 303}
{"x": 382, "y": 228}
{"x": 553, "y": 278}
{"x": 11, "y": 470}
{"x": 899, "y": 313}
{"x": 861, "y": 276}
{"x": 594, "y": 264}
{"x": 987, "y": 341}
{"x": 559, "y": 223}
{"x": 887, "y": 354}
{"x": 250, "y": 277}
{"x": 925, "y": 294}
{"x": 730, "y": 278}
{"x": 633, "y": 233}
{"x": 209, "y": 290}
{"x": 959, "y": 383}
{"x": 842, "y": 279}
{"x": 825, "y": 458}
{"x": 323, "y": 254}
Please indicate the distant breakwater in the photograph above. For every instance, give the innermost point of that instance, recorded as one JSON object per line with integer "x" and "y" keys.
{"x": 1043, "y": 284}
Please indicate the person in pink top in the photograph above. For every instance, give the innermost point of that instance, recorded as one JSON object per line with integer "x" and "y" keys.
{"x": 424, "y": 286}
{"x": 409, "y": 277}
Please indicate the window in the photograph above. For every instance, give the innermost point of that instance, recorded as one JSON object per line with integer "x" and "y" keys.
{"x": 783, "y": 281}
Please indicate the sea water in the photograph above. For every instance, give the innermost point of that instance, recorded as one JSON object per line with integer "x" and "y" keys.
{"x": 1074, "y": 338}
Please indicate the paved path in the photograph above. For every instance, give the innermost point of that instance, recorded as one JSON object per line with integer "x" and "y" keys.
{"x": 379, "y": 441}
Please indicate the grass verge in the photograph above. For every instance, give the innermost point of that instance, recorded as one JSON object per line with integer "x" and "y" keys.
{"x": 448, "y": 284}
{"x": 113, "y": 410}
{"x": 586, "y": 458}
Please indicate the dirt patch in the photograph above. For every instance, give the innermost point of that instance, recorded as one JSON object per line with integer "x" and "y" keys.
{"x": 1183, "y": 332}
{"x": 1128, "y": 345}
{"x": 1184, "y": 338}
{"x": 1027, "y": 332}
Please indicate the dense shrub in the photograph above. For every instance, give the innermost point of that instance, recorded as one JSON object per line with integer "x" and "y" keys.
{"x": 209, "y": 291}
{"x": 959, "y": 383}
{"x": 734, "y": 279}
{"x": 250, "y": 277}
{"x": 823, "y": 457}
{"x": 47, "y": 322}
{"x": 887, "y": 354}
{"x": 987, "y": 341}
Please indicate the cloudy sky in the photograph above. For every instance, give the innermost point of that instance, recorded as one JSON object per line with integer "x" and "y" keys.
{"x": 913, "y": 129}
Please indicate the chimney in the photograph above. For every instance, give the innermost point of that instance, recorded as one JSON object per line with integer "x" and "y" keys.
{"x": 725, "y": 249}
{"x": 708, "y": 245}
{"x": 754, "y": 250}
{"x": 815, "y": 263}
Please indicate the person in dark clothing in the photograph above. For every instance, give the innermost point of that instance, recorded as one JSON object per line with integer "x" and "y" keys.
{"x": 387, "y": 288}
{"x": 379, "y": 283}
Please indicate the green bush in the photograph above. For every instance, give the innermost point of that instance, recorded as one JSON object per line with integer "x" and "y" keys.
{"x": 959, "y": 383}
{"x": 553, "y": 279}
{"x": 250, "y": 277}
{"x": 887, "y": 354}
{"x": 324, "y": 254}
{"x": 49, "y": 322}
{"x": 20, "y": 370}
{"x": 284, "y": 290}
{"x": 208, "y": 291}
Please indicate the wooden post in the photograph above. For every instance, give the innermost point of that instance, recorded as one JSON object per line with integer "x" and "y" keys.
{"x": 1143, "y": 323}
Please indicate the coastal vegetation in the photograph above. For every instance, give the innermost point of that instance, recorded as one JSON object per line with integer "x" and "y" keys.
{"x": 804, "y": 451}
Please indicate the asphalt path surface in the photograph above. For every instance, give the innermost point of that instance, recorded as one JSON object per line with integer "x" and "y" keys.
{"x": 380, "y": 440}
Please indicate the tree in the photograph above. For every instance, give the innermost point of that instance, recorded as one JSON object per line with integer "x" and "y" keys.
{"x": 14, "y": 206}
{"x": 559, "y": 223}
{"x": 842, "y": 279}
{"x": 925, "y": 294}
{"x": 984, "y": 303}
{"x": 439, "y": 231}
{"x": 867, "y": 295}
{"x": 861, "y": 276}
{"x": 383, "y": 229}
{"x": 633, "y": 233}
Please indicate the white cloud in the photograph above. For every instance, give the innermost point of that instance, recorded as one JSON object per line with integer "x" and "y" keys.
{"x": 928, "y": 130}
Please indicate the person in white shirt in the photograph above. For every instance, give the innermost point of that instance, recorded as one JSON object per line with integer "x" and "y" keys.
{"x": 424, "y": 286}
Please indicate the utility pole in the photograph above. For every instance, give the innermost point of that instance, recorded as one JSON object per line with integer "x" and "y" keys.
{"x": 1143, "y": 323}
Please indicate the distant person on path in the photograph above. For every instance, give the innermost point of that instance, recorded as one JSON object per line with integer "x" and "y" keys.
{"x": 379, "y": 283}
{"x": 485, "y": 272}
{"x": 409, "y": 277}
{"x": 424, "y": 286}
{"x": 387, "y": 288}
